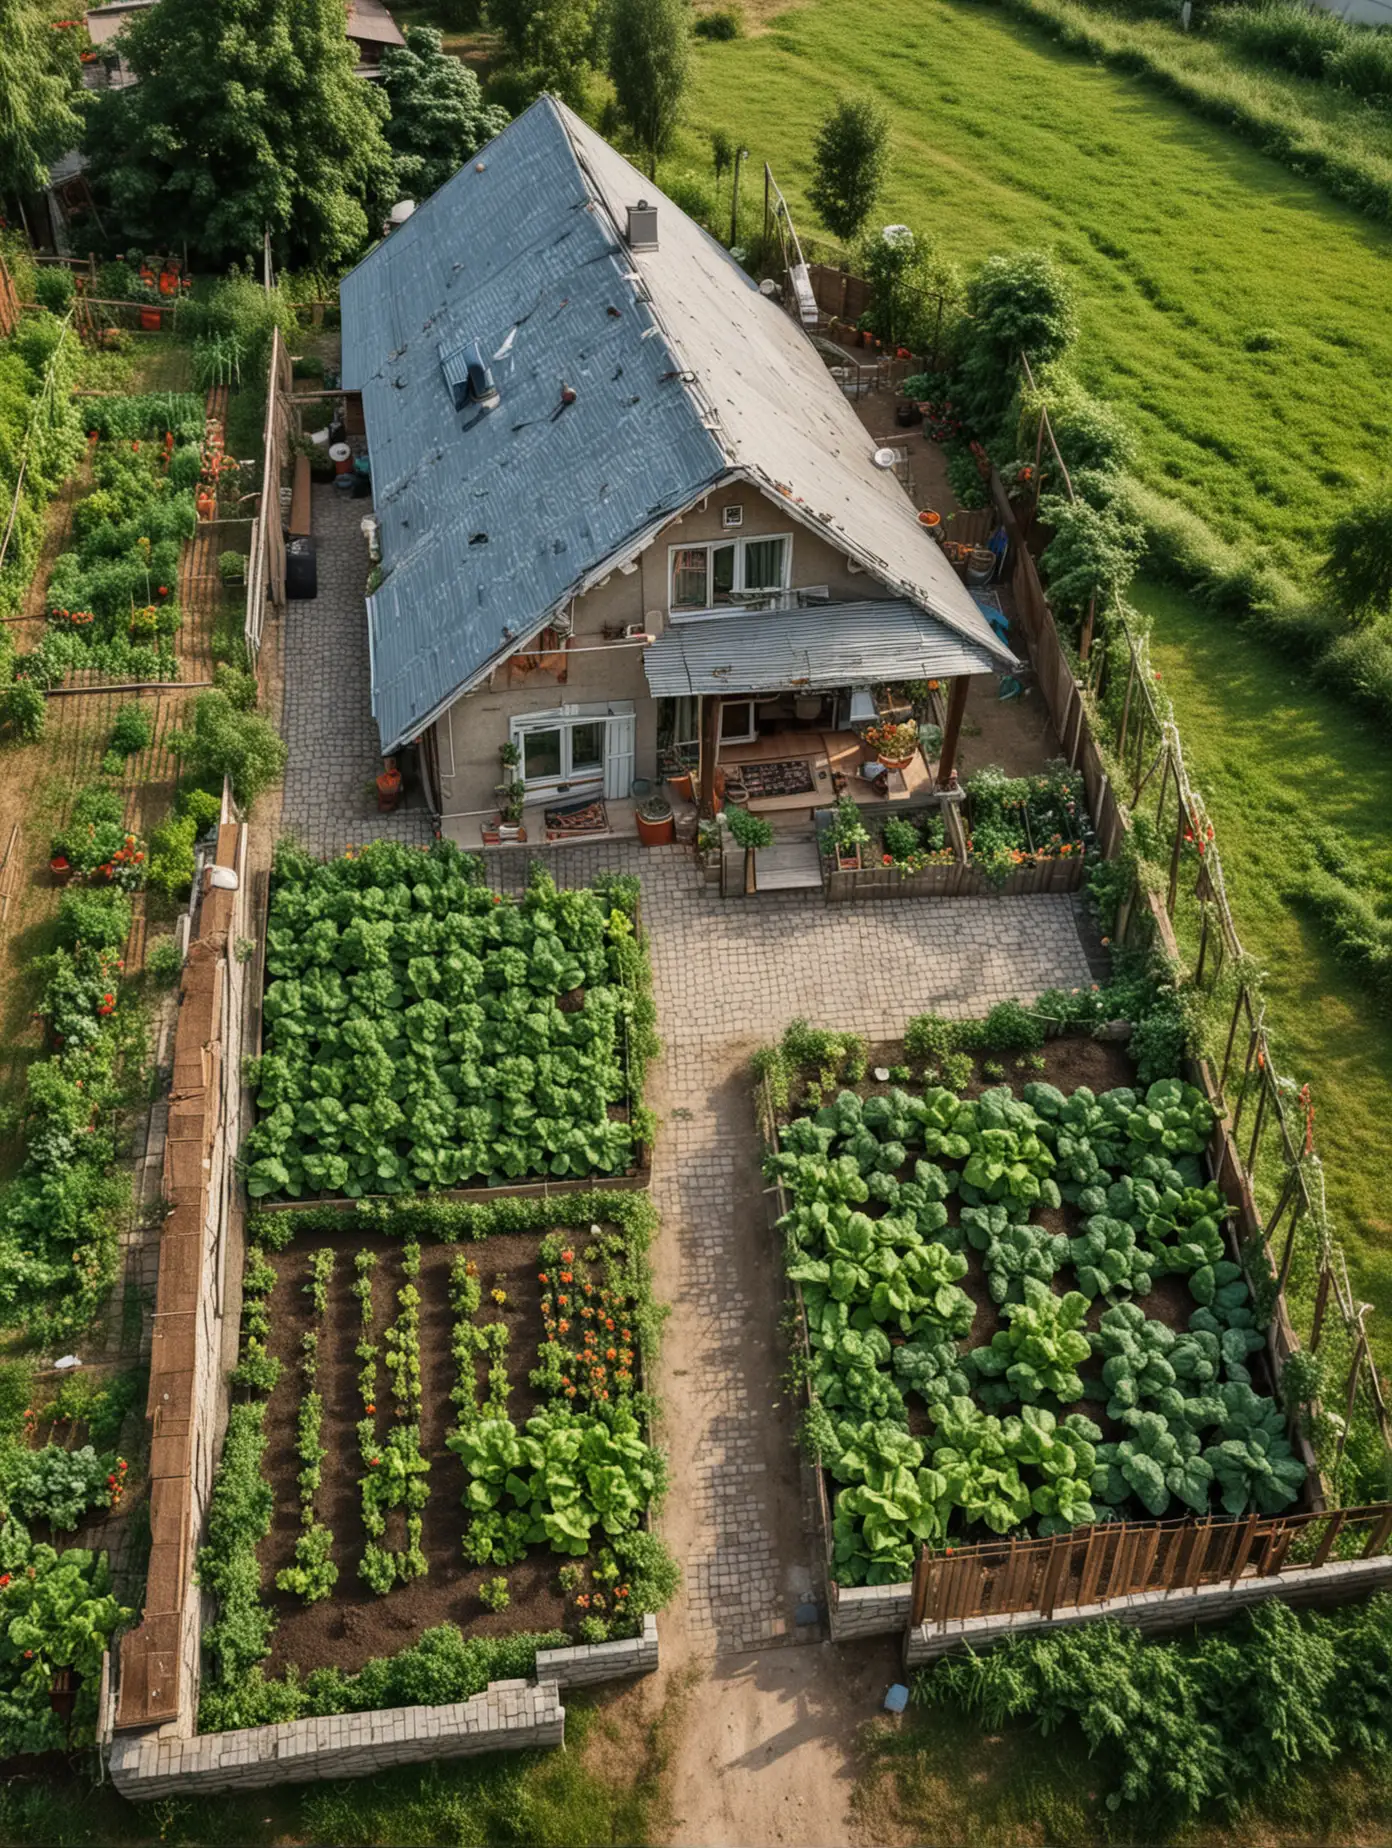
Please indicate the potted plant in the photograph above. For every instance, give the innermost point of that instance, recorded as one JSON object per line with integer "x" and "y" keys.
{"x": 893, "y": 745}
{"x": 752, "y": 832}
{"x": 232, "y": 567}
{"x": 515, "y": 794}
{"x": 848, "y": 835}
{"x": 656, "y": 827}
{"x": 511, "y": 754}
{"x": 388, "y": 787}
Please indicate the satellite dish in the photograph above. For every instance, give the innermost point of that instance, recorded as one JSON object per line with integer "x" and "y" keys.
{"x": 884, "y": 458}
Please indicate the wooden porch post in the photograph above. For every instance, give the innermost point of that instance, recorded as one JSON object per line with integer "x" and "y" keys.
{"x": 710, "y": 751}
{"x": 956, "y": 706}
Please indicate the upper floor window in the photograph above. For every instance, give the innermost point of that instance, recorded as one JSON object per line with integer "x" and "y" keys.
{"x": 728, "y": 573}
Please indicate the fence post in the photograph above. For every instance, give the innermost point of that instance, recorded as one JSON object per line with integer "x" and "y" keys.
{"x": 918, "y": 1607}
{"x": 1126, "y": 706}
{"x": 1321, "y": 1303}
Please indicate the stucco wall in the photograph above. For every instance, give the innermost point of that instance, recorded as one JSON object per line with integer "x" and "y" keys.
{"x": 472, "y": 732}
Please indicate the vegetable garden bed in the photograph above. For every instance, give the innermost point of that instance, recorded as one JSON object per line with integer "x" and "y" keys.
{"x": 1021, "y": 1309}
{"x": 438, "y": 1436}
{"x": 422, "y": 1031}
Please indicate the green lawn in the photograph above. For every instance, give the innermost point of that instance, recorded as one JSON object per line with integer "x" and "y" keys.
{"x": 1182, "y": 241}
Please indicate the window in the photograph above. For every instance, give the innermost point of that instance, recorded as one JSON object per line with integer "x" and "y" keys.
{"x": 727, "y": 573}
{"x": 559, "y": 749}
{"x": 737, "y": 721}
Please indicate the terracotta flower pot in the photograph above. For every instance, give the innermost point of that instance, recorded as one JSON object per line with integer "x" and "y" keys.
{"x": 388, "y": 788}
{"x": 684, "y": 786}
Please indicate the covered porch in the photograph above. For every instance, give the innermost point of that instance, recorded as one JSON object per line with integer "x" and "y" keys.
{"x": 780, "y": 712}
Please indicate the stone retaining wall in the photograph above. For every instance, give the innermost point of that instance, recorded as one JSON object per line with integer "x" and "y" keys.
{"x": 588, "y": 1663}
{"x": 1157, "y": 1612}
{"x": 507, "y": 1716}
{"x": 868, "y": 1610}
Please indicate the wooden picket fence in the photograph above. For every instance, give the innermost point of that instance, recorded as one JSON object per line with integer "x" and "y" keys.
{"x": 1121, "y": 1559}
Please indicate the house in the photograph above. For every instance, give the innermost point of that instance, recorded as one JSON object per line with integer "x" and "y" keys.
{"x": 368, "y": 23}
{"x": 628, "y": 521}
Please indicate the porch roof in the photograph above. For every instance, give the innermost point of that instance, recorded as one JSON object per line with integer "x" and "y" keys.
{"x": 825, "y": 645}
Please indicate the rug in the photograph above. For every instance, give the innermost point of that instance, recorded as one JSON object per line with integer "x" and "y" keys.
{"x": 762, "y": 780}
{"x": 587, "y": 817}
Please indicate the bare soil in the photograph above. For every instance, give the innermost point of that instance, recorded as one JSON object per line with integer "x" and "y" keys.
{"x": 355, "y": 1624}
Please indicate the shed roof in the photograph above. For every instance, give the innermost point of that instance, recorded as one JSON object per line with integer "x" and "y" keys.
{"x": 683, "y": 375}
{"x": 821, "y": 646}
{"x": 369, "y": 23}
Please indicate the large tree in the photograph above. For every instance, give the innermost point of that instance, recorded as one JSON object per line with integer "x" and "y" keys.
{"x": 851, "y": 152}
{"x": 40, "y": 85}
{"x": 550, "y": 45}
{"x": 247, "y": 117}
{"x": 649, "y": 61}
{"x": 438, "y": 115}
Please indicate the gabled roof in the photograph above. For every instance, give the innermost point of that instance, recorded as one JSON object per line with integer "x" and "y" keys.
{"x": 683, "y": 376}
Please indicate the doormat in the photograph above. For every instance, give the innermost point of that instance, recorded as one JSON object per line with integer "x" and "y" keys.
{"x": 576, "y": 818}
{"x": 790, "y": 778}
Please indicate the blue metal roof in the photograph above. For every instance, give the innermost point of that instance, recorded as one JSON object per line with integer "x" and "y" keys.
{"x": 492, "y": 519}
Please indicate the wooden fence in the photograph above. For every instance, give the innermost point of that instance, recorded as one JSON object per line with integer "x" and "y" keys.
{"x": 1117, "y": 728}
{"x": 1121, "y": 1559}
{"x": 266, "y": 562}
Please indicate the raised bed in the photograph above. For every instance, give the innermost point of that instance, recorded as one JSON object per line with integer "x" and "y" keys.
{"x": 412, "y": 1350}
{"x": 955, "y": 881}
{"x": 868, "y": 1599}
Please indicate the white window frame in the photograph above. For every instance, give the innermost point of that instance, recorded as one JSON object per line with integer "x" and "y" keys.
{"x": 738, "y": 545}
{"x": 745, "y": 737}
{"x": 564, "y": 719}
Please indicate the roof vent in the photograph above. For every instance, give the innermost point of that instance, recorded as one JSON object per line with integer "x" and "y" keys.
{"x": 468, "y": 376}
{"x": 642, "y": 226}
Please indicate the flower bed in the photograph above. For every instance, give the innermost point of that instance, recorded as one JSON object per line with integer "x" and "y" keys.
{"x": 1017, "y": 822}
{"x": 1020, "y": 1307}
{"x": 422, "y": 1031}
{"x": 500, "y": 1475}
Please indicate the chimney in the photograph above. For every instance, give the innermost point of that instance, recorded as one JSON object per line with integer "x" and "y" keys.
{"x": 642, "y": 226}
{"x": 481, "y": 389}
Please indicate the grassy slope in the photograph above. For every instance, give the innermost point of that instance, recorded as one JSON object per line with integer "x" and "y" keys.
{"x": 1181, "y": 240}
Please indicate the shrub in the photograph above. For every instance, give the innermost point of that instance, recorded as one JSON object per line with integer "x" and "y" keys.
{"x": 750, "y": 831}
{"x": 23, "y": 709}
{"x": 200, "y": 806}
{"x": 1016, "y": 302}
{"x": 163, "y": 961}
{"x": 228, "y": 743}
{"x": 99, "y": 918}
{"x": 53, "y": 288}
{"x": 1358, "y": 569}
{"x": 133, "y": 730}
{"x": 172, "y": 861}
{"x": 232, "y": 567}
{"x": 725, "y": 22}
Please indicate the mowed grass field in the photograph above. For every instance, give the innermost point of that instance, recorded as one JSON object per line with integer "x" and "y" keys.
{"x": 1185, "y": 245}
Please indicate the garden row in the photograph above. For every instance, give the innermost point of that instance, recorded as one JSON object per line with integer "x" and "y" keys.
{"x": 942, "y": 1410}
{"x": 423, "y": 1032}
{"x": 483, "y": 1364}
{"x": 1010, "y": 823}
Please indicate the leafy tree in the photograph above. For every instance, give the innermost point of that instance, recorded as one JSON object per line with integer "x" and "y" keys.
{"x": 851, "y": 152}
{"x": 649, "y": 62}
{"x": 1016, "y": 302}
{"x": 40, "y": 84}
{"x": 248, "y": 120}
{"x": 1358, "y": 569}
{"x": 438, "y": 115}
{"x": 913, "y": 290}
{"x": 550, "y": 46}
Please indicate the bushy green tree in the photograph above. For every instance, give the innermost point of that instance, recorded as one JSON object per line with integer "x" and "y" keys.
{"x": 914, "y": 291}
{"x": 225, "y": 742}
{"x": 550, "y": 45}
{"x": 40, "y": 91}
{"x": 438, "y": 115}
{"x": 247, "y": 117}
{"x": 649, "y": 62}
{"x": 851, "y": 154}
{"x": 1017, "y": 302}
{"x": 1358, "y": 569}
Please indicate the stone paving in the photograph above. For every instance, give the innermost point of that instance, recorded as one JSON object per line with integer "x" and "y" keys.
{"x": 334, "y": 750}
{"x": 729, "y": 975}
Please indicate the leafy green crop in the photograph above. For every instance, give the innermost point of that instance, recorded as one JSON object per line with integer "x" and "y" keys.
{"x": 1155, "y": 1462}
{"x": 56, "y": 1612}
{"x": 1039, "y": 1350}
{"x": 1107, "y": 1260}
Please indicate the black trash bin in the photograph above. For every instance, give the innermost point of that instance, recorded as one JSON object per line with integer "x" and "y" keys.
{"x": 301, "y": 570}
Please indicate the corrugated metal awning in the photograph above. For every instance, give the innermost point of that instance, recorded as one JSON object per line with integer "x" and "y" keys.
{"x": 826, "y": 645}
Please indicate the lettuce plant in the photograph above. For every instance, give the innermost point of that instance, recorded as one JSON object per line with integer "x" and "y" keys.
{"x": 1038, "y": 1351}
{"x": 1156, "y": 1461}
{"x": 1107, "y": 1260}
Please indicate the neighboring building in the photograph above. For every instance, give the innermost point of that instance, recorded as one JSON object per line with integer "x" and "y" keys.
{"x": 587, "y": 426}
{"x": 368, "y": 23}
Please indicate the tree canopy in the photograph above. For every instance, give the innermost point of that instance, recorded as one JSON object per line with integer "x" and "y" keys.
{"x": 851, "y": 153}
{"x": 649, "y": 61}
{"x": 40, "y": 90}
{"x": 247, "y": 117}
{"x": 1358, "y": 569}
{"x": 438, "y": 115}
{"x": 550, "y": 46}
